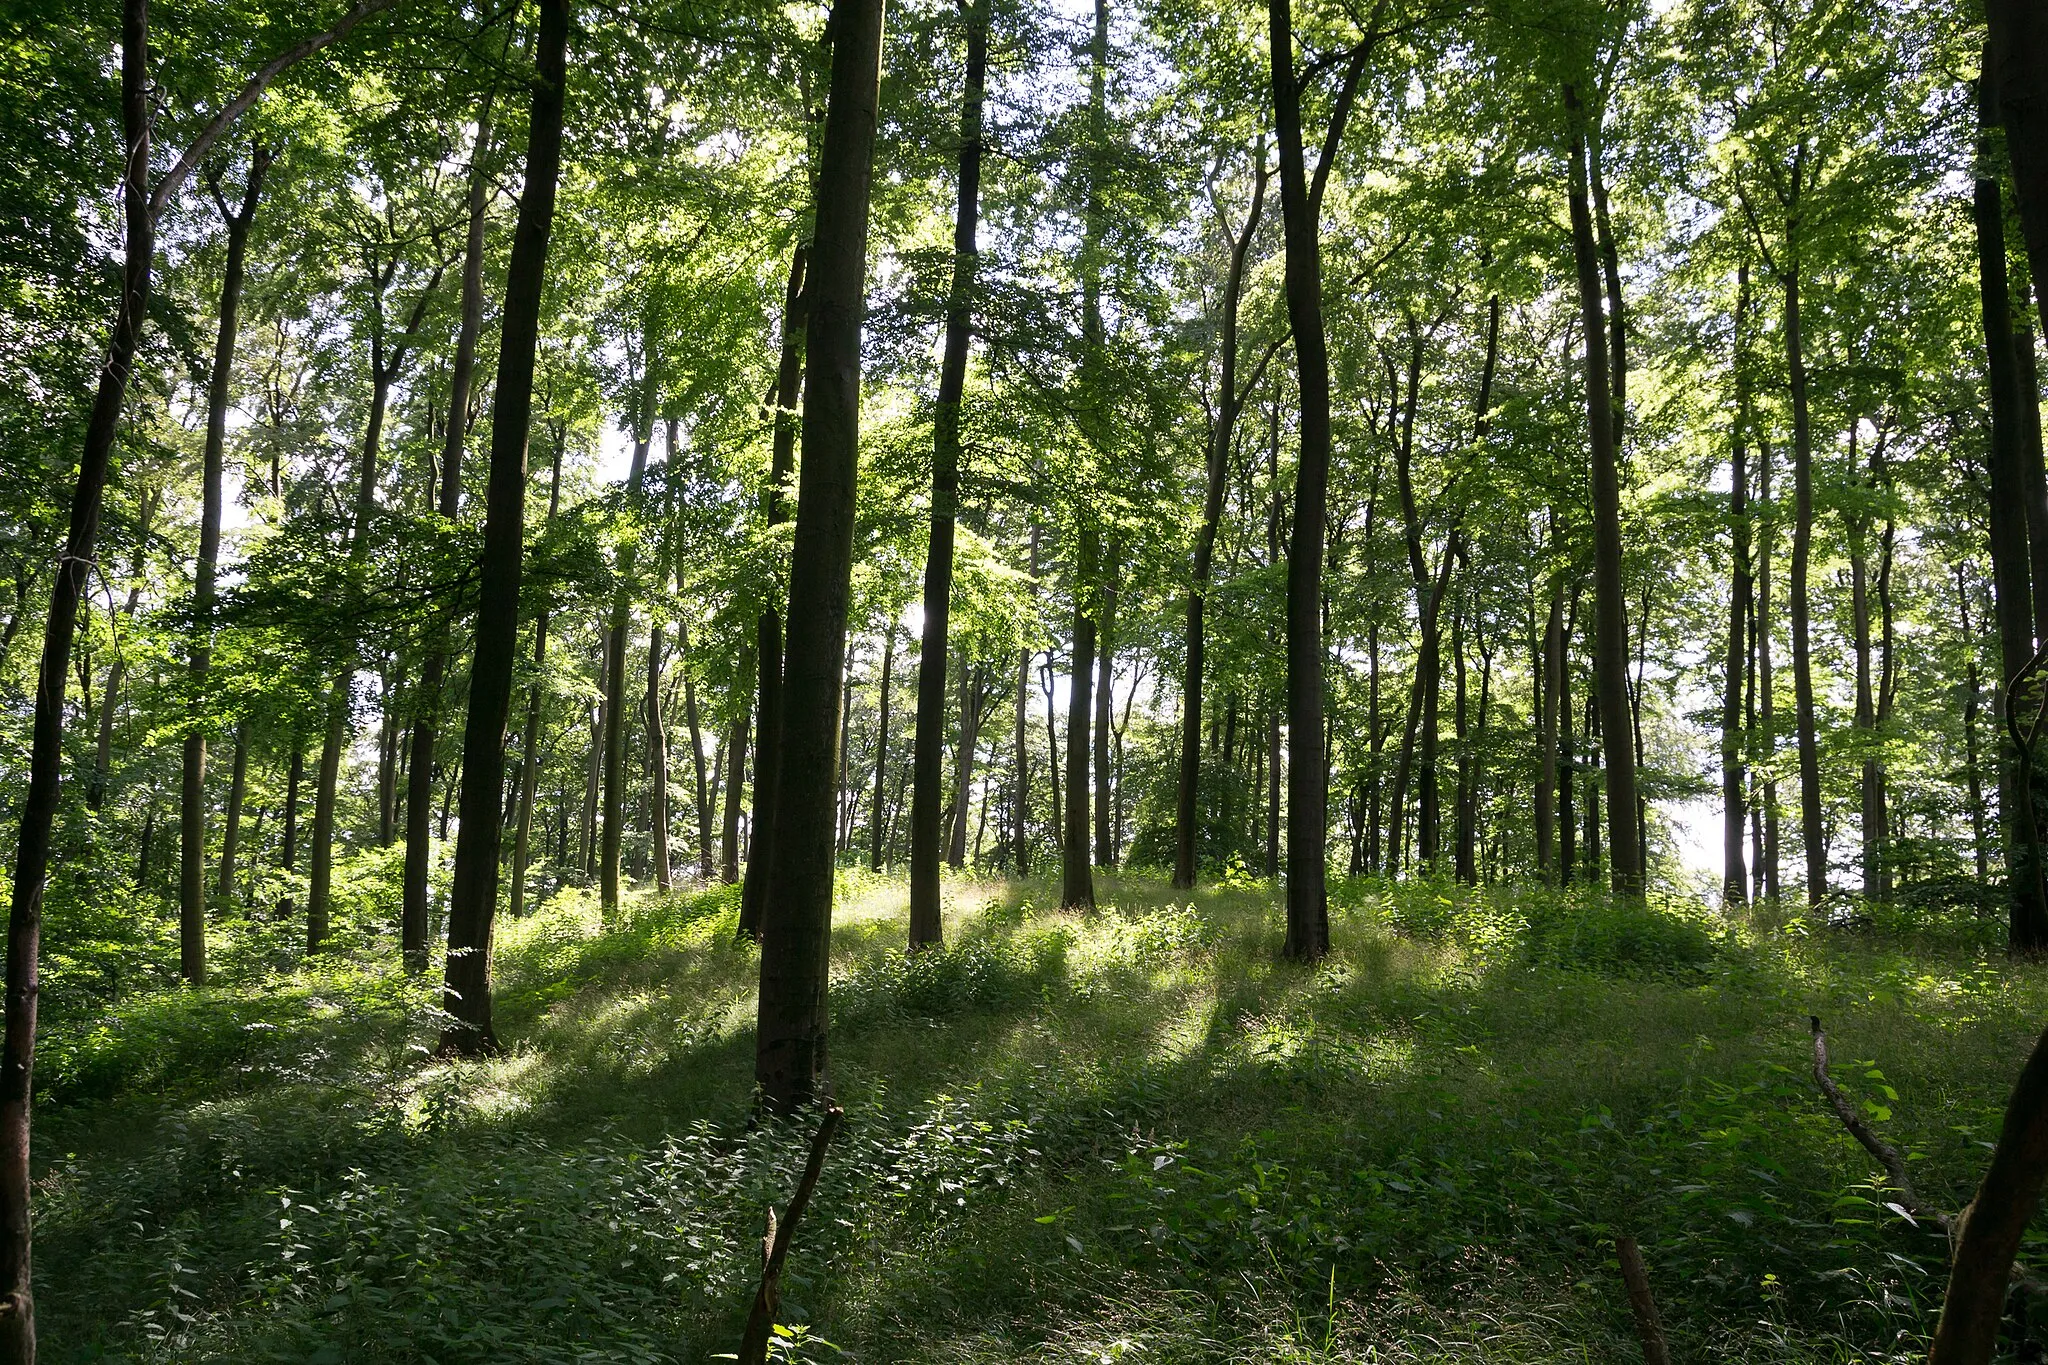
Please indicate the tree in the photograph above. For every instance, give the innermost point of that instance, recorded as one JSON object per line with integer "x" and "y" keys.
{"x": 789, "y": 1063}
{"x": 473, "y": 896}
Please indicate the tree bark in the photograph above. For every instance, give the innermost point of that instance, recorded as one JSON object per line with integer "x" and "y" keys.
{"x": 419, "y": 792}
{"x": 1308, "y": 916}
{"x": 930, "y": 735}
{"x": 613, "y": 797}
{"x": 1077, "y": 877}
{"x": 1105, "y": 669}
{"x": 1230, "y": 402}
{"x": 1734, "y": 778}
{"x": 2027, "y": 930}
{"x": 877, "y": 820}
{"x": 192, "y": 792}
{"x": 1610, "y": 607}
{"x": 529, "y": 745}
{"x": 789, "y": 386}
{"x": 473, "y": 896}
{"x": 735, "y": 779}
{"x": 790, "y": 1055}
{"x": 231, "y": 821}
{"x": 657, "y": 760}
{"x": 1812, "y": 824}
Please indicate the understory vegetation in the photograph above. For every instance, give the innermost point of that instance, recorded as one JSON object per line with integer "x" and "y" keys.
{"x": 1131, "y": 1136}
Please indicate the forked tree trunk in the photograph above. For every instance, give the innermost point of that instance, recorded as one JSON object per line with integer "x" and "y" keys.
{"x": 1610, "y": 607}
{"x": 473, "y": 896}
{"x": 790, "y": 1042}
{"x": 1308, "y": 915}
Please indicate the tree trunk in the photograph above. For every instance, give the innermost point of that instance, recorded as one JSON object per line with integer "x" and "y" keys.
{"x": 473, "y": 894}
{"x": 1229, "y": 406}
{"x": 973, "y": 710}
{"x": 2028, "y": 926}
{"x": 192, "y": 792}
{"x": 877, "y": 820}
{"x": 735, "y": 779}
{"x": 1812, "y": 824}
{"x": 529, "y": 747}
{"x": 1077, "y": 879}
{"x": 789, "y": 384}
{"x": 1308, "y": 916}
{"x": 1734, "y": 779}
{"x": 288, "y": 843}
{"x": 1767, "y": 705}
{"x": 1551, "y": 667}
{"x": 1020, "y": 799}
{"x": 231, "y": 821}
{"x": 1972, "y": 751}
{"x": 1105, "y": 668}
{"x": 419, "y": 787}
{"x": 657, "y": 759}
{"x": 790, "y": 1054}
{"x": 1610, "y": 607}
{"x": 930, "y": 734}
{"x": 693, "y": 717}
{"x": 1991, "y": 1228}
{"x": 613, "y": 798}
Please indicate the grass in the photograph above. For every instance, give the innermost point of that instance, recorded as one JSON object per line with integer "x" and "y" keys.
{"x": 1136, "y": 1136}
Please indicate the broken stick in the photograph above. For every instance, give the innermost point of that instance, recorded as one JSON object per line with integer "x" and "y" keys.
{"x": 775, "y": 1246}
{"x": 1636, "y": 1276}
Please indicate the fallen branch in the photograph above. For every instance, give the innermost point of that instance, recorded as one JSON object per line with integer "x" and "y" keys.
{"x": 1887, "y": 1155}
{"x": 775, "y": 1246}
{"x": 1636, "y": 1276}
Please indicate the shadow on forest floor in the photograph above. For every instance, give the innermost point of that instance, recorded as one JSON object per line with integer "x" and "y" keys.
{"x": 1131, "y": 1135}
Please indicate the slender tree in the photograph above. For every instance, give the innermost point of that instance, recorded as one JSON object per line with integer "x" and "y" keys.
{"x": 473, "y": 897}
{"x": 789, "y": 1064}
{"x": 926, "y": 928}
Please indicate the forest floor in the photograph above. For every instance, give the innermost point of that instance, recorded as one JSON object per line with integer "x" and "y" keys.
{"x": 1136, "y": 1136}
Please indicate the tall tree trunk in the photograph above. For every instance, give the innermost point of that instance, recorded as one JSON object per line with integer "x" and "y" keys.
{"x": 419, "y": 788}
{"x": 1812, "y": 823}
{"x": 1866, "y": 694}
{"x": 1991, "y": 1228}
{"x": 930, "y": 735}
{"x": 1550, "y": 667}
{"x": 192, "y": 790}
{"x": 1308, "y": 911}
{"x": 1767, "y": 706}
{"x": 790, "y": 1053}
{"x": 789, "y": 385}
{"x": 735, "y": 780}
{"x": 1464, "y": 857}
{"x": 1105, "y": 668}
{"x": 288, "y": 841}
{"x": 1230, "y": 401}
{"x": 1077, "y": 879}
{"x": 474, "y": 892}
{"x": 877, "y": 821}
{"x": 613, "y": 799}
{"x": 657, "y": 758}
{"x": 231, "y": 820}
{"x": 529, "y": 746}
{"x": 1610, "y": 606}
{"x": 1734, "y": 778}
{"x": 2028, "y": 926}
{"x": 1972, "y": 751}
{"x": 386, "y": 361}
{"x": 1020, "y": 801}
{"x": 693, "y": 718}
{"x": 1567, "y": 753}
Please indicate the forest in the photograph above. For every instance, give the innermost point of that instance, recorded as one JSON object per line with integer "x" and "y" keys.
{"x": 1000, "y": 680}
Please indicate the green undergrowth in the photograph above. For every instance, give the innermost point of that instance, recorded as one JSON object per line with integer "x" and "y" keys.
{"x": 1135, "y": 1135}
